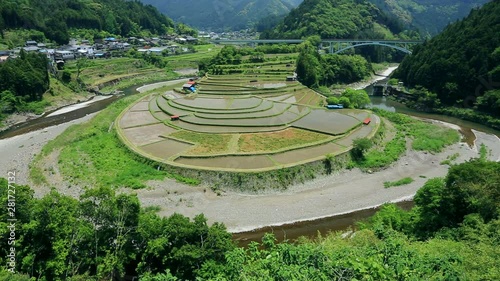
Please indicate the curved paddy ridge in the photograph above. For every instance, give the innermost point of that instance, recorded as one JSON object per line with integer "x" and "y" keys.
{"x": 240, "y": 123}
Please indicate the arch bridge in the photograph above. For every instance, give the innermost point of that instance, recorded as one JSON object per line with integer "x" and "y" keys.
{"x": 335, "y": 46}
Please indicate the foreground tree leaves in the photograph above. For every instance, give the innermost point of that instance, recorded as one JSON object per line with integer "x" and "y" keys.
{"x": 452, "y": 234}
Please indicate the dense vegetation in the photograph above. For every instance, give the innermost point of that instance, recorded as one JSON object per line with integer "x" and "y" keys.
{"x": 428, "y": 16}
{"x": 56, "y": 18}
{"x": 351, "y": 98}
{"x": 461, "y": 65}
{"x": 451, "y": 234}
{"x": 222, "y": 15}
{"x": 104, "y": 236}
{"x": 336, "y": 19}
{"x": 314, "y": 69}
{"x": 23, "y": 81}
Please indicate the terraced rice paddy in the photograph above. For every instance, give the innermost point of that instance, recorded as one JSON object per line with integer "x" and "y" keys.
{"x": 241, "y": 122}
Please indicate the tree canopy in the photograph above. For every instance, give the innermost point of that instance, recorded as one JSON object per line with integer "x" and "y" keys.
{"x": 55, "y": 18}
{"x": 462, "y": 64}
{"x": 22, "y": 80}
{"x": 335, "y": 19}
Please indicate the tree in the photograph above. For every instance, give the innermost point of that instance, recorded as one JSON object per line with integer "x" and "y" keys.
{"x": 308, "y": 65}
{"x": 332, "y": 100}
{"x": 81, "y": 63}
{"x": 425, "y": 98}
{"x": 359, "y": 147}
{"x": 357, "y": 98}
{"x": 7, "y": 102}
{"x": 114, "y": 219}
{"x": 344, "y": 101}
{"x": 471, "y": 187}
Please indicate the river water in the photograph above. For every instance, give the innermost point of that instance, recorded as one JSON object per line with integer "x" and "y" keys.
{"x": 285, "y": 232}
{"x": 47, "y": 121}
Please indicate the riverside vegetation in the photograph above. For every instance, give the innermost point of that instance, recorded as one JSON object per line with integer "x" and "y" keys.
{"x": 452, "y": 233}
{"x": 421, "y": 135}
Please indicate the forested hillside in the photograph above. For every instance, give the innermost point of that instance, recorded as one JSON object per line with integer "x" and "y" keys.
{"x": 222, "y": 14}
{"x": 462, "y": 64}
{"x": 54, "y": 18}
{"x": 429, "y": 16}
{"x": 22, "y": 81}
{"x": 336, "y": 19}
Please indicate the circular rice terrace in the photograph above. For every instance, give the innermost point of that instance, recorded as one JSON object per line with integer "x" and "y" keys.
{"x": 241, "y": 123}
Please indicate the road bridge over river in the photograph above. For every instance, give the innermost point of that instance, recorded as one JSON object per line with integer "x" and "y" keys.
{"x": 334, "y": 45}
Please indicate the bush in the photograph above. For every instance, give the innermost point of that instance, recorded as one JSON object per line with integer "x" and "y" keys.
{"x": 332, "y": 100}
{"x": 360, "y": 145}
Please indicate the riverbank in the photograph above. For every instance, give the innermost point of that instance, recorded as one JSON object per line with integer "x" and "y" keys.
{"x": 327, "y": 196}
{"x": 19, "y": 151}
{"x": 61, "y": 106}
{"x": 343, "y": 192}
{"x": 367, "y": 82}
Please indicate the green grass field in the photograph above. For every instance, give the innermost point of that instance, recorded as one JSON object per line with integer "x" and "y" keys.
{"x": 206, "y": 144}
{"x": 422, "y": 135}
{"x": 291, "y": 137}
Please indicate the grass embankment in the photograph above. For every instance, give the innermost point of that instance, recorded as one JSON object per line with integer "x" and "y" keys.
{"x": 92, "y": 155}
{"x": 400, "y": 182}
{"x": 274, "y": 141}
{"x": 422, "y": 135}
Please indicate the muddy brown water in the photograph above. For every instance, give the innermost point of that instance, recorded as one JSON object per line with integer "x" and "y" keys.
{"x": 311, "y": 229}
{"x": 44, "y": 121}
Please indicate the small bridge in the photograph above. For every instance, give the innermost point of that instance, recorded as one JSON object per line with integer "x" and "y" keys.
{"x": 335, "y": 46}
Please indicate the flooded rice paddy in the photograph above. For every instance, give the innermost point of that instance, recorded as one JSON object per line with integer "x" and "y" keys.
{"x": 137, "y": 118}
{"x": 165, "y": 149}
{"x": 269, "y": 106}
{"x": 304, "y": 154}
{"x": 147, "y": 134}
{"x": 328, "y": 122}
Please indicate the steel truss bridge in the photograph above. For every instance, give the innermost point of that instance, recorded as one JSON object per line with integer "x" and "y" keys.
{"x": 335, "y": 46}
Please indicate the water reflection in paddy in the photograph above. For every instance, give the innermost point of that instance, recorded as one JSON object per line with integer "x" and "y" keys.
{"x": 327, "y": 122}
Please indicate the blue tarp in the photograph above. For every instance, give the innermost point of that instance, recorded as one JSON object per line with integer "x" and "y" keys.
{"x": 334, "y": 106}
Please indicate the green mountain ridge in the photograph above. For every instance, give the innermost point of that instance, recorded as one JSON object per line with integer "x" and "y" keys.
{"x": 55, "y": 18}
{"x": 461, "y": 64}
{"x": 222, "y": 14}
{"x": 429, "y": 16}
{"x": 336, "y": 19}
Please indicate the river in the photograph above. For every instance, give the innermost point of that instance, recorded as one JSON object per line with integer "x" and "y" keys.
{"x": 49, "y": 119}
{"x": 290, "y": 231}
